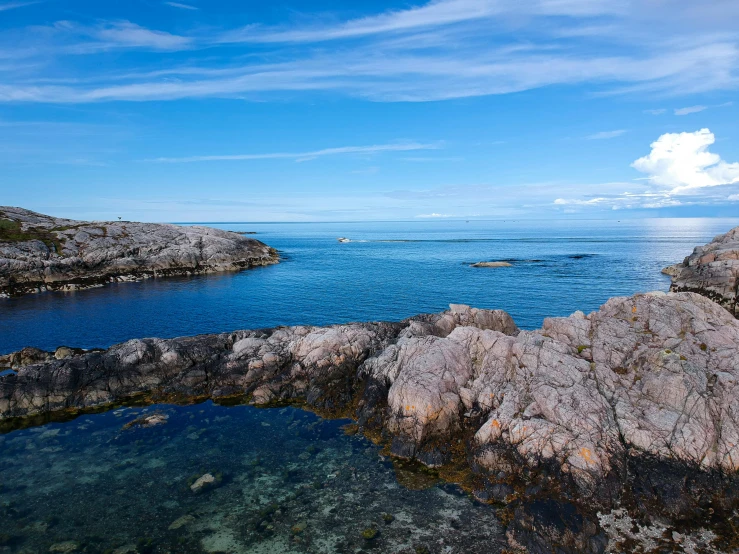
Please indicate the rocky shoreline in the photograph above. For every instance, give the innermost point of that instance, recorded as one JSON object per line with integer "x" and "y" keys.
{"x": 616, "y": 431}
{"x": 711, "y": 270}
{"x": 40, "y": 253}
{"x": 635, "y": 405}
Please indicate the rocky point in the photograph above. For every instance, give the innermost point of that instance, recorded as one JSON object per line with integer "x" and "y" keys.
{"x": 711, "y": 270}
{"x": 40, "y": 252}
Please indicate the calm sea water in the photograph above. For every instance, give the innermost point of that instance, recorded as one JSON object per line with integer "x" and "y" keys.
{"x": 390, "y": 271}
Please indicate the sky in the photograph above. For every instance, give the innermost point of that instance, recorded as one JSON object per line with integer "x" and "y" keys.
{"x": 320, "y": 110}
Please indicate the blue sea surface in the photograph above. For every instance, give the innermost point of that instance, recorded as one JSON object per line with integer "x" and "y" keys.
{"x": 390, "y": 271}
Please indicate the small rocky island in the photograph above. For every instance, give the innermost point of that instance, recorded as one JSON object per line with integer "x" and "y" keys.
{"x": 40, "y": 252}
{"x": 711, "y": 270}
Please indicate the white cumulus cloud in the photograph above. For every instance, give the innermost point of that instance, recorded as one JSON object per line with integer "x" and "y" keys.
{"x": 682, "y": 162}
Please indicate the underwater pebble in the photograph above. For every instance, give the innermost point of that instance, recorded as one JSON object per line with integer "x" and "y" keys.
{"x": 49, "y": 434}
{"x": 202, "y": 482}
{"x": 181, "y": 522}
{"x": 64, "y": 547}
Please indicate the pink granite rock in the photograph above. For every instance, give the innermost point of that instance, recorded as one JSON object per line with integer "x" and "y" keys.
{"x": 711, "y": 270}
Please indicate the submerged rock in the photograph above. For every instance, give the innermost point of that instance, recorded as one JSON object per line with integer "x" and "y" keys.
{"x": 711, "y": 270}
{"x": 181, "y": 522}
{"x": 40, "y": 252}
{"x": 492, "y": 264}
{"x": 148, "y": 420}
{"x": 203, "y": 482}
{"x": 66, "y": 547}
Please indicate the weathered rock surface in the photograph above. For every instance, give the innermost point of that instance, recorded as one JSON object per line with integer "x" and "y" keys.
{"x": 30, "y": 355}
{"x": 39, "y": 252}
{"x": 654, "y": 374}
{"x": 711, "y": 270}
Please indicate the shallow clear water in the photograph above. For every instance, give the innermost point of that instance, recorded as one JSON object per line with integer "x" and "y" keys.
{"x": 391, "y": 271}
{"x": 287, "y": 481}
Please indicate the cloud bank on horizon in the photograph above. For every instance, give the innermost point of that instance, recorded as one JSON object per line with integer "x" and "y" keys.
{"x": 680, "y": 166}
{"x": 530, "y": 108}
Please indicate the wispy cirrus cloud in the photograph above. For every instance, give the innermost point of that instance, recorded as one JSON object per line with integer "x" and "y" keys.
{"x": 43, "y": 44}
{"x": 14, "y": 5}
{"x": 434, "y": 51}
{"x": 307, "y": 156}
{"x": 124, "y": 34}
{"x": 181, "y": 6}
{"x": 604, "y": 135}
{"x": 436, "y": 13}
{"x": 690, "y": 109}
{"x": 384, "y": 77}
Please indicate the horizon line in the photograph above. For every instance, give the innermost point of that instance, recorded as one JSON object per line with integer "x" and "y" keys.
{"x": 438, "y": 220}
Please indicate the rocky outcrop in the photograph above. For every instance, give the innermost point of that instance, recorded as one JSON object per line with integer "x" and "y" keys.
{"x": 635, "y": 405}
{"x": 654, "y": 374}
{"x": 39, "y": 252}
{"x": 318, "y": 364}
{"x": 711, "y": 270}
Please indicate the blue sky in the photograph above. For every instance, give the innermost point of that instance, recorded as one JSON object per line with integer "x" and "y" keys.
{"x": 329, "y": 111}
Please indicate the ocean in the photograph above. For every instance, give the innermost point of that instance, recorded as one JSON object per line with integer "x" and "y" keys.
{"x": 389, "y": 271}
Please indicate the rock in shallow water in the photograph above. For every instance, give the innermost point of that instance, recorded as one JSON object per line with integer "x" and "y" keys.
{"x": 492, "y": 264}
{"x": 39, "y": 252}
{"x": 203, "y": 482}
